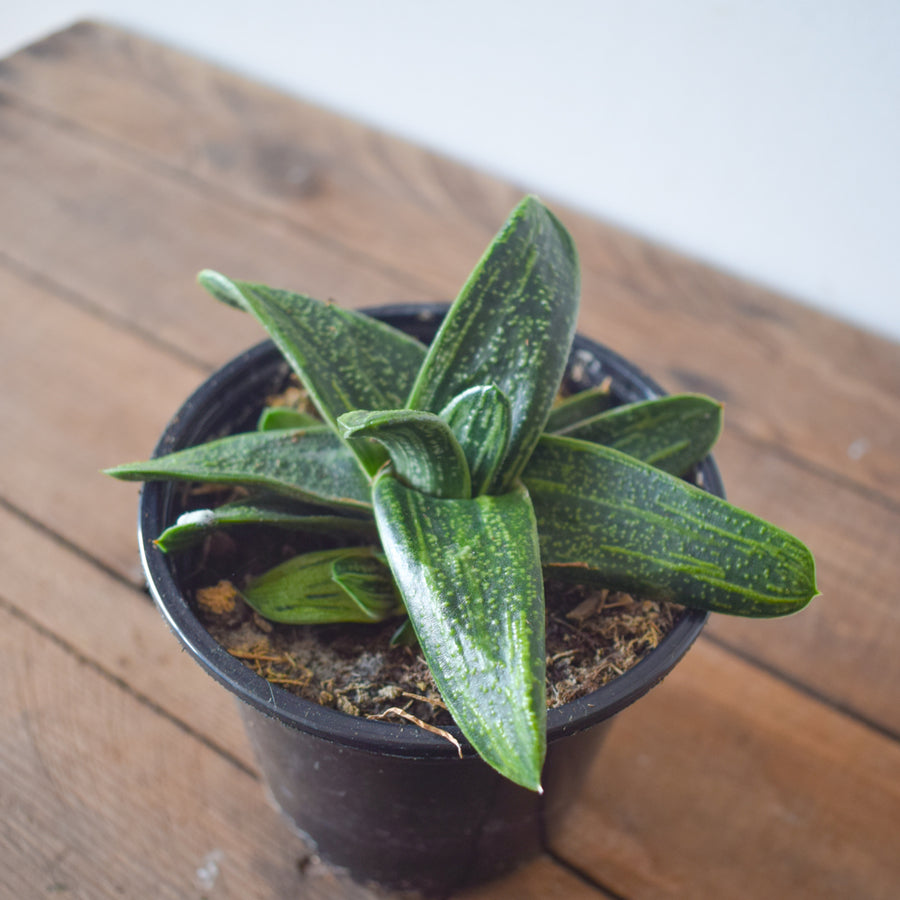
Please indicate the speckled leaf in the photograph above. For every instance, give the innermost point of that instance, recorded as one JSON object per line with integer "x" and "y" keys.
{"x": 470, "y": 575}
{"x": 578, "y": 407}
{"x": 350, "y": 584}
{"x": 368, "y": 580}
{"x": 604, "y": 517}
{"x": 511, "y": 326}
{"x": 670, "y": 433}
{"x": 311, "y": 464}
{"x": 273, "y": 418}
{"x": 269, "y": 509}
{"x": 346, "y": 360}
{"x": 480, "y": 418}
{"x": 422, "y": 449}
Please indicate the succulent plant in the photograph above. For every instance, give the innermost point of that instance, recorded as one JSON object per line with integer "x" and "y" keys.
{"x": 461, "y": 481}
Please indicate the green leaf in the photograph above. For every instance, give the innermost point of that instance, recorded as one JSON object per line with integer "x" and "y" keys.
{"x": 405, "y": 635}
{"x": 424, "y": 453}
{"x": 274, "y": 418}
{"x": 511, "y": 326}
{"x": 266, "y": 509}
{"x": 350, "y": 584}
{"x": 606, "y": 518}
{"x": 310, "y": 464}
{"x": 480, "y": 418}
{"x": 578, "y": 407}
{"x": 368, "y": 580}
{"x": 346, "y": 360}
{"x": 470, "y": 575}
{"x": 670, "y": 433}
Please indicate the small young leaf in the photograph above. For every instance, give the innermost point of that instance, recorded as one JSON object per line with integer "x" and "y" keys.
{"x": 670, "y": 433}
{"x": 405, "y": 635}
{"x": 480, "y": 418}
{"x": 511, "y": 326}
{"x": 607, "y": 518}
{"x": 274, "y": 418}
{"x": 350, "y": 584}
{"x": 311, "y": 464}
{"x": 346, "y": 360}
{"x": 470, "y": 575}
{"x": 368, "y": 580}
{"x": 421, "y": 446}
{"x": 263, "y": 509}
{"x": 578, "y": 407}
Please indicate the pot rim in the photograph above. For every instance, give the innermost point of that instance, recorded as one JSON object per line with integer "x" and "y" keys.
{"x": 394, "y": 739}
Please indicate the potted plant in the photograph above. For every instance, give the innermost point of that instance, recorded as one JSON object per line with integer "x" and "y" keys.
{"x": 459, "y": 481}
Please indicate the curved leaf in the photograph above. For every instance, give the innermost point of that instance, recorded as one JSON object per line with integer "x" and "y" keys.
{"x": 578, "y": 407}
{"x": 311, "y": 464}
{"x": 421, "y": 447}
{"x": 604, "y": 517}
{"x": 480, "y": 418}
{"x": 470, "y": 575}
{"x": 273, "y": 418}
{"x": 350, "y": 584}
{"x": 346, "y": 360}
{"x": 671, "y": 433}
{"x": 511, "y": 326}
{"x": 281, "y": 512}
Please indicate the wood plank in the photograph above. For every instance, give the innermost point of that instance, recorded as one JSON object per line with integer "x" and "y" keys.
{"x": 80, "y": 395}
{"x": 844, "y": 644}
{"x": 393, "y": 202}
{"x": 131, "y": 241}
{"x": 60, "y": 360}
{"x": 102, "y": 797}
{"x": 117, "y": 629}
{"x": 726, "y": 783}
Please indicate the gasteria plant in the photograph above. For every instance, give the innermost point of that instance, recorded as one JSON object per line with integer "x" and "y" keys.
{"x": 478, "y": 485}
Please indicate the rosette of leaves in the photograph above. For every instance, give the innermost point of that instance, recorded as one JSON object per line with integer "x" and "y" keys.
{"x": 461, "y": 484}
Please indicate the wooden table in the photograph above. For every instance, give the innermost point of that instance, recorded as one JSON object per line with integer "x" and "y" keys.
{"x": 767, "y": 765}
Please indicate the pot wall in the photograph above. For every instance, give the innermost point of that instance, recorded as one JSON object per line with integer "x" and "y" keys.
{"x": 429, "y": 824}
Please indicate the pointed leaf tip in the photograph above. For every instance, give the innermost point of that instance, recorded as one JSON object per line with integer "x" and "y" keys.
{"x": 470, "y": 575}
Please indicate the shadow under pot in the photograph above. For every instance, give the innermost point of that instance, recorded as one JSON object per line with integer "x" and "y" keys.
{"x": 392, "y": 803}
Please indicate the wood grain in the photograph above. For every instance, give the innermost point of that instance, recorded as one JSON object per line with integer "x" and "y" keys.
{"x": 102, "y": 797}
{"x": 726, "y": 783}
{"x": 767, "y": 765}
{"x": 82, "y": 208}
{"x": 784, "y": 369}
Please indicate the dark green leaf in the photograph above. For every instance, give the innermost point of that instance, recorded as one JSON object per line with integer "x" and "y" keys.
{"x": 424, "y": 453}
{"x": 511, "y": 326}
{"x": 470, "y": 575}
{"x": 270, "y": 509}
{"x": 480, "y": 418}
{"x": 311, "y": 464}
{"x": 350, "y": 584}
{"x": 606, "y": 518}
{"x": 274, "y": 418}
{"x": 670, "y": 433}
{"x": 578, "y": 407}
{"x": 346, "y": 360}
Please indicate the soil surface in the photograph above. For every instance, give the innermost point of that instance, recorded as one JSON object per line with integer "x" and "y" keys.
{"x": 592, "y": 636}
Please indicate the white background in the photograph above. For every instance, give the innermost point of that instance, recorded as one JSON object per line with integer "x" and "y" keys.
{"x": 761, "y": 136}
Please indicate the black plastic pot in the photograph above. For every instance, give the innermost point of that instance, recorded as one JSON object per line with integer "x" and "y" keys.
{"x": 387, "y": 802}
